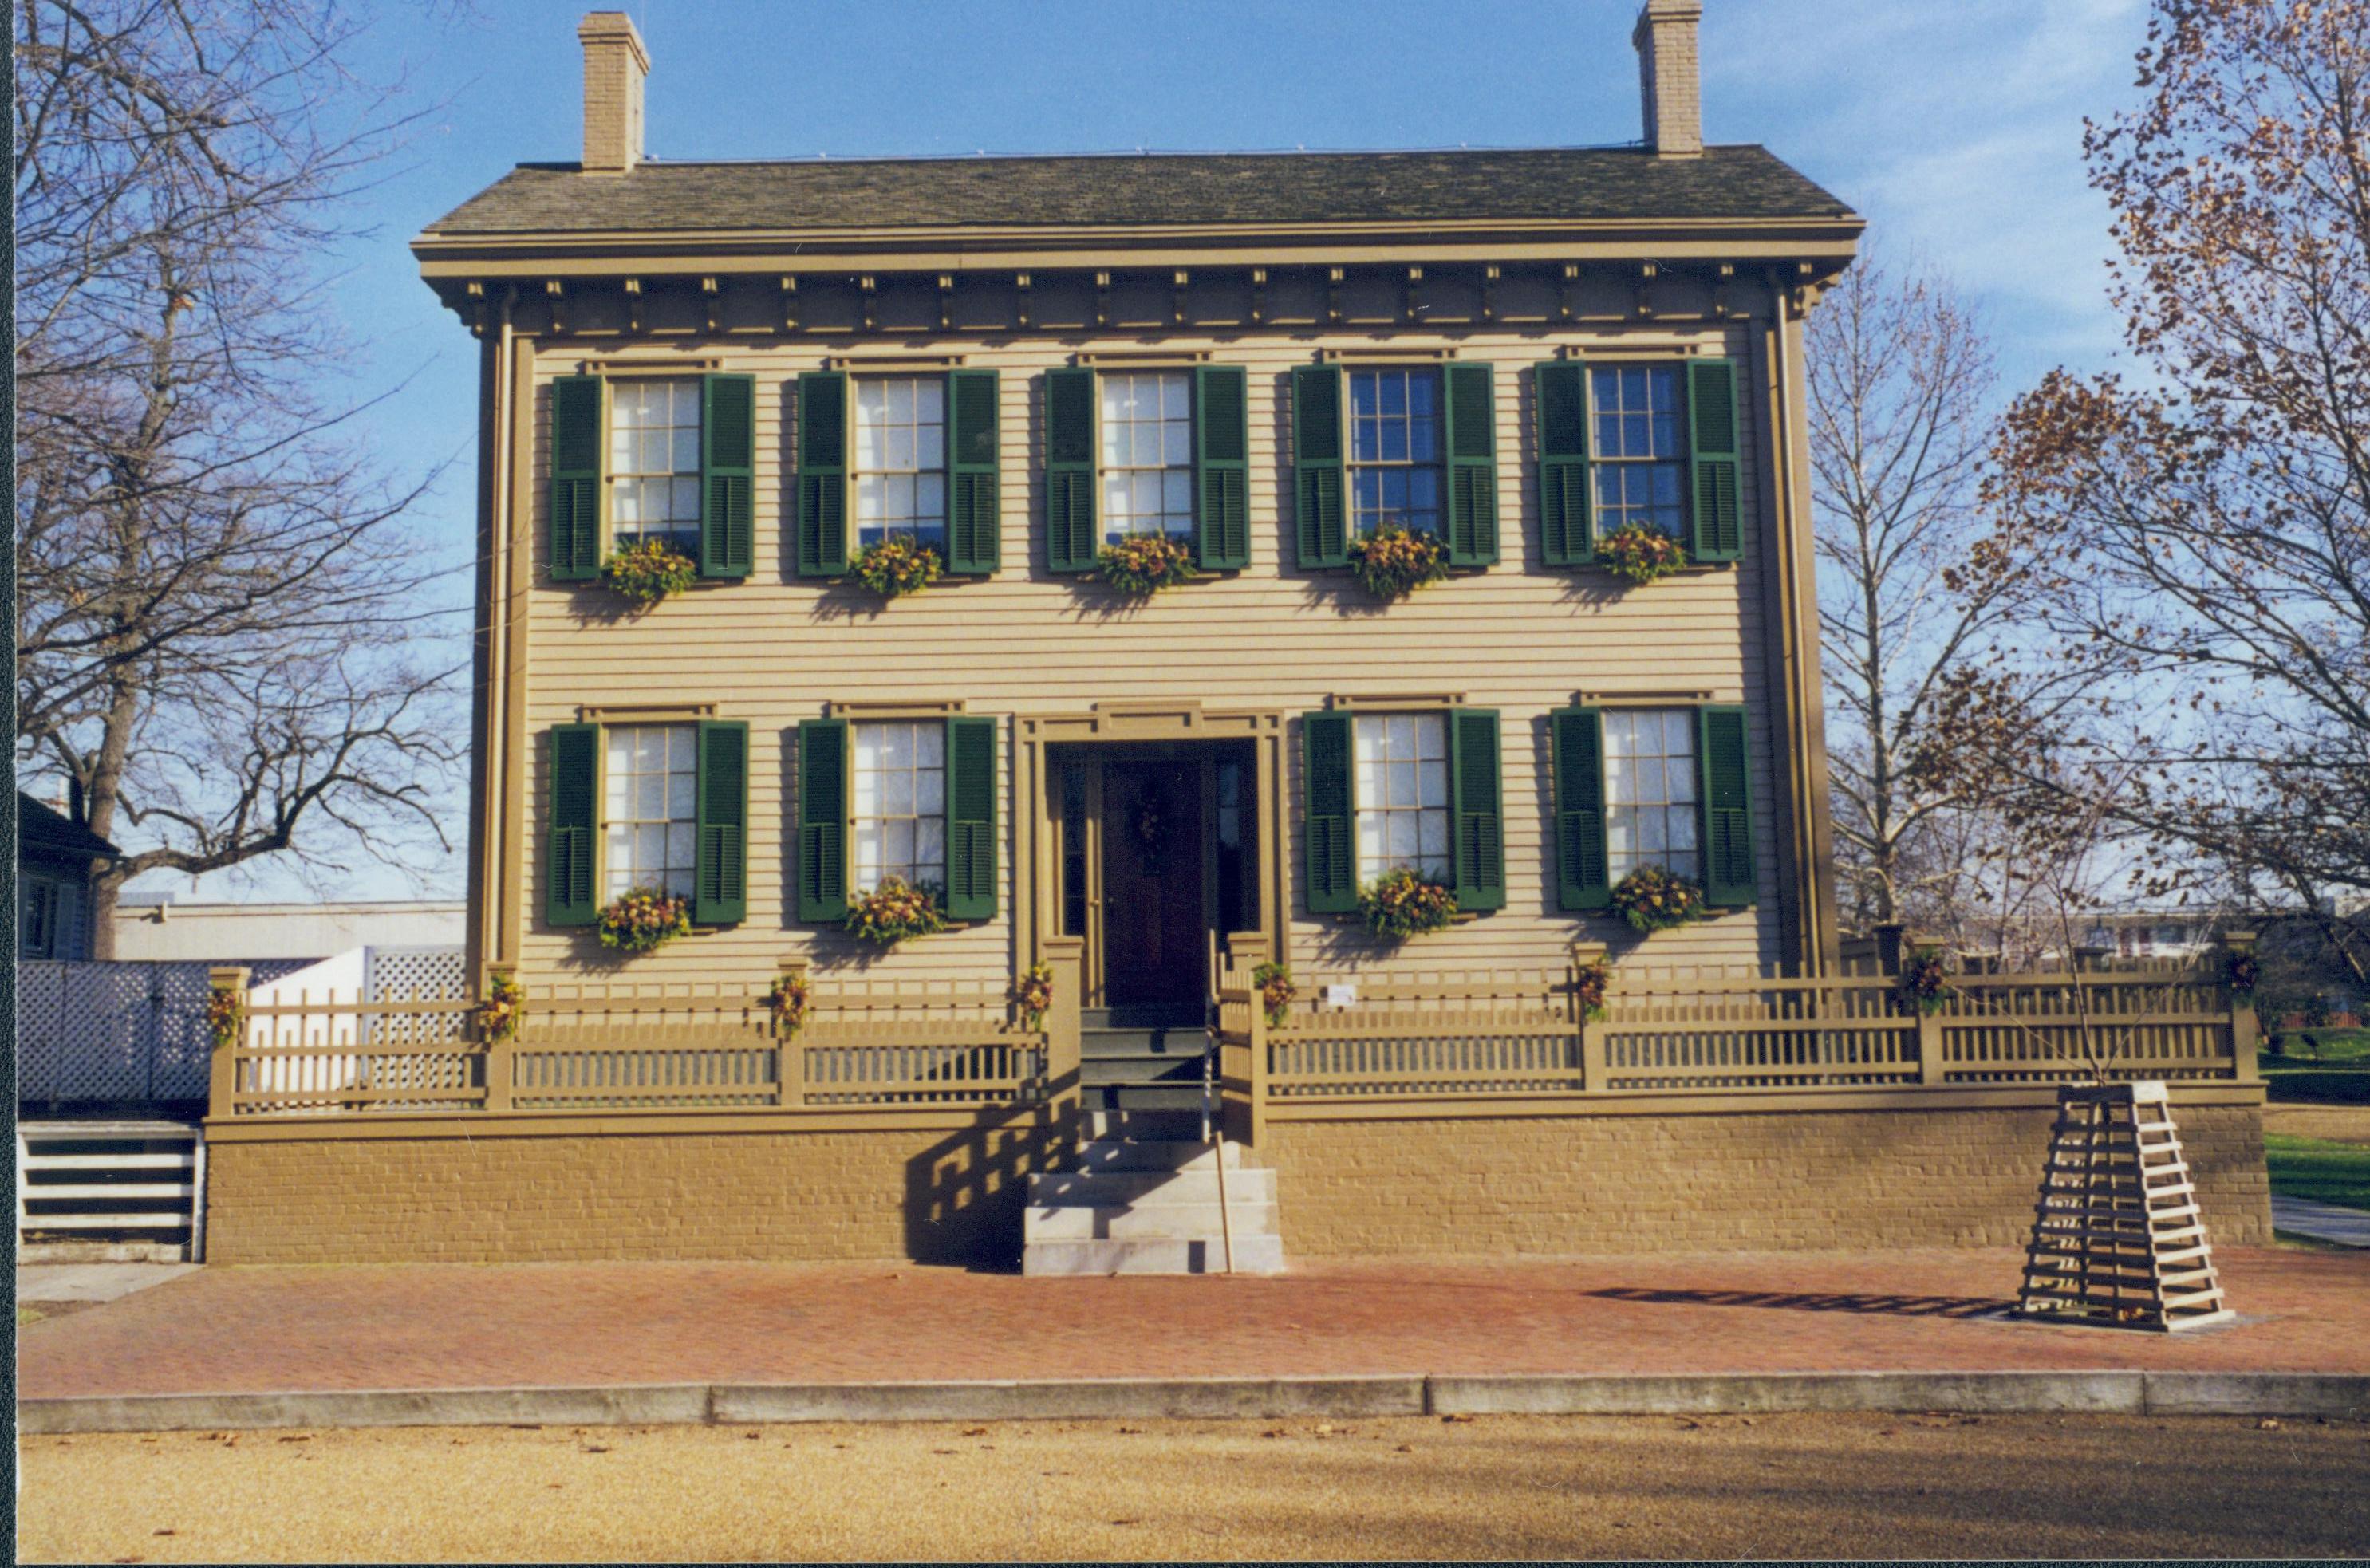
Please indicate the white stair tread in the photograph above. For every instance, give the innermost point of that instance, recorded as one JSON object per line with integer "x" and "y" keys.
{"x": 1172, "y": 1220}
{"x": 1114, "y": 1189}
{"x": 1146, "y": 1254}
{"x": 1153, "y": 1154}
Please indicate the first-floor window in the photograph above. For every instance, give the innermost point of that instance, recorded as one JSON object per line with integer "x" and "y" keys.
{"x": 653, "y": 774}
{"x": 901, "y": 460}
{"x": 654, "y": 462}
{"x": 1147, "y": 456}
{"x": 46, "y": 908}
{"x": 1395, "y": 450}
{"x": 1649, "y": 792}
{"x": 1402, "y": 794}
{"x": 901, "y": 803}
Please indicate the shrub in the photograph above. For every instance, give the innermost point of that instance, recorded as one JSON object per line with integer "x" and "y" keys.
{"x": 895, "y": 567}
{"x": 1651, "y": 899}
{"x": 648, "y": 571}
{"x": 895, "y": 911}
{"x": 1276, "y": 991}
{"x": 1639, "y": 554}
{"x": 1143, "y": 563}
{"x": 1393, "y": 562}
{"x": 1399, "y": 904}
{"x": 642, "y": 920}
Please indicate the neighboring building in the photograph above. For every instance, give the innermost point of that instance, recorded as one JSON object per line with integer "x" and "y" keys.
{"x": 57, "y": 858}
{"x": 2153, "y": 933}
{"x": 1016, "y": 363}
{"x": 237, "y": 934}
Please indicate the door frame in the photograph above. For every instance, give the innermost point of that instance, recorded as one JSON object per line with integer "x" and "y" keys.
{"x": 1036, "y": 791}
{"x": 1200, "y": 759}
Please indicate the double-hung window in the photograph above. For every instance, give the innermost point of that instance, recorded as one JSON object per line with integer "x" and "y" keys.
{"x": 651, "y": 809}
{"x": 901, "y": 804}
{"x": 901, "y": 461}
{"x": 654, "y": 464}
{"x": 47, "y": 909}
{"x": 1402, "y": 784}
{"x": 1642, "y": 456}
{"x": 1412, "y": 790}
{"x": 670, "y": 460}
{"x": 1637, "y": 787}
{"x": 1650, "y": 792}
{"x": 1395, "y": 450}
{"x": 1147, "y": 453}
{"x": 659, "y": 805}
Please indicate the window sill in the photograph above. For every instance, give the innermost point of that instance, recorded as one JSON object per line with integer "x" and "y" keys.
{"x": 1692, "y": 569}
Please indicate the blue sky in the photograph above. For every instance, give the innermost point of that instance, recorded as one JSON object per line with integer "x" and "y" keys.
{"x": 1954, "y": 127}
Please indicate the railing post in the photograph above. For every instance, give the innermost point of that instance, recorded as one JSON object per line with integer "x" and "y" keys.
{"x": 1929, "y": 1047}
{"x": 221, "y": 1078}
{"x": 502, "y": 1058}
{"x": 790, "y": 1053}
{"x": 1066, "y": 955}
{"x": 2245, "y": 1026}
{"x": 1593, "y": 1073}
{"x": 1247, "y": 950}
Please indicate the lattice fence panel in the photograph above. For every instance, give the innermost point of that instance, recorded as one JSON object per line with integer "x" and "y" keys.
{"x": 119, "y": 1032}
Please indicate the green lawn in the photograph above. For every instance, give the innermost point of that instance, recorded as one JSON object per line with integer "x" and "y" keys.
{"x": 2314, "y": 1168}
{"x": 2337, "y": 1074}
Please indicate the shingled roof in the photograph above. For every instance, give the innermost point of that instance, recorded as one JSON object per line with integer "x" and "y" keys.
{"x": 42, "y": 828}
{"x": 1159, "y": 189}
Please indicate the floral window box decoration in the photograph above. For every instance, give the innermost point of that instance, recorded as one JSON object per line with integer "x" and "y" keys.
{"x": 1651, "y": 898}
{"x": 895, "y": 567}
{"x": 894, "y": 910}
{"x": 1142, "y": 565}
{"x": 642, "y": 920}
{"x": 1393, "y": 562}
{"x": 1399, "y": 904}
{"x": 1638, "y": 554}
{"x": 648, "y": 571}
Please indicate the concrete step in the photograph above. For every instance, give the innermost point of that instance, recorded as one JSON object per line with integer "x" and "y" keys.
{"x": 1097, "y": 1043}
{"x": 1253, "y": 1254}
{"x": 1104, "y": 1189}
{"x": 1104, "y": 1124}
{"x": 1175, "y": 1222}
{"x": 1154, "y": 1154}
{"x": 1183, "y": 1098}
{"x": 1146, "y": 1015}
{"x": 1094, "y": 1071}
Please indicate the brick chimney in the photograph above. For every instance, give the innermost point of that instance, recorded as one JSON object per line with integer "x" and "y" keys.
{"x": 1668, "y": 78}
{"x": 614, "y": 64}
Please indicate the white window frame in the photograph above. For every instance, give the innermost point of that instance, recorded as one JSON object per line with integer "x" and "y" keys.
{"x": 680, "y": 531}
{"x": 1399, "y": 765}
{"x": 924, "y": 468}
{"x": 629, "y": 799}
{"x": 1363, "y": 522}
{"x": 894, "y": 799}
{"x": 1134, "y": 453}
{"x": 1612, "y": 459}
{"x": 1641, "y": 824}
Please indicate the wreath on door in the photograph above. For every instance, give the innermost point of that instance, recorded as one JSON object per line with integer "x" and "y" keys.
{"x": 1151, "y": 837}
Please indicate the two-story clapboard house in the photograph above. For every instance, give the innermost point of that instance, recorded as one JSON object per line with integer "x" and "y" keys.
{"x": 1270, "y": 380}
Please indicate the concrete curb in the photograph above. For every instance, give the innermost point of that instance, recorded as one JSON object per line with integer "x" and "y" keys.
{"x": 2342, "y": 1394}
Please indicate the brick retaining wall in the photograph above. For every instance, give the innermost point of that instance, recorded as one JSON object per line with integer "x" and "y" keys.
{"x": 1564, "y": 1185}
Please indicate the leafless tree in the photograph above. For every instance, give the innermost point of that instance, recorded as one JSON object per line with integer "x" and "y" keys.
{"x": 2197, "y": 540}
{"x": 227, "y": 636}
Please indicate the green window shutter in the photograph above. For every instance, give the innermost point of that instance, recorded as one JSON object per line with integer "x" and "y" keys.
{"x": 823, "y": 821}
{"x": 1072, "y": 540}
{"x": 1567, "y": 536}
{"x": 1725, "y": 788}
{"x": 822, "y": 475}
{"x": 970, "y": 818}
{"x": 1472, "y": 443}
{"x": 1476, "y": 816}
{"x": 1329, "y": 814}
{"x": 575, "y": 538}
{"x": 1222, "y": 473}
{"x": 1583, "y": 879}
{"x": 720, "y": 881}
{"x": 975, "y": 534}
{"x": 1319, "y": 510}
{"x": 1716, "y": 530}
{"x": 728, "y": 475}
{"x": 572, "y": 828}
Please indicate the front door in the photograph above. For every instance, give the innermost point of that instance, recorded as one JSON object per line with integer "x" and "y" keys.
{"x": 1155, "y": 923}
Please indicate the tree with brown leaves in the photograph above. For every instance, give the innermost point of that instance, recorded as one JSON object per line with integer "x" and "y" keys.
{"x": 2196, "y": 538}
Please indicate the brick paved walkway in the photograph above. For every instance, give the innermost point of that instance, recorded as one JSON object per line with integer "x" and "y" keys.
{"x": 253, "y": 1330}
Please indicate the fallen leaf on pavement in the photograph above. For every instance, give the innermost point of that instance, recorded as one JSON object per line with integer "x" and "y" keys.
{"x": 1458, "y": 1416}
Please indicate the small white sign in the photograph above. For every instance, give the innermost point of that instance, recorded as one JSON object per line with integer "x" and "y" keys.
{"x": 1340, "y": 996}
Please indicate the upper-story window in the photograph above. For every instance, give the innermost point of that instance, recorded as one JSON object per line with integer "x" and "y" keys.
{"x": 654, "y": 464}
{"x": 1402, "y": 794}
{"x": 1640, "y": 449}
{"x": 653, "y": 774}
{"x": 1395, "y": 450}
{"x": 1147, "y": 453}
{"x": 1650, "y": 792}
{"x": 901, "y": 460}
{"x": 901, "y": 803}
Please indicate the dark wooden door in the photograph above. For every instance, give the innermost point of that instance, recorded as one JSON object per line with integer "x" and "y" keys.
{"x": 1155, "y": 946}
